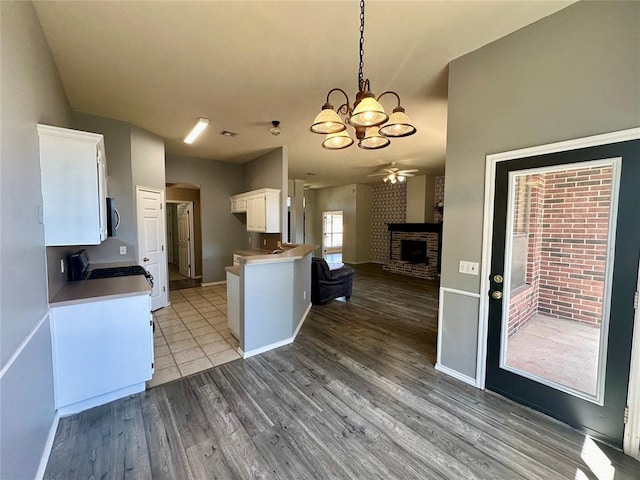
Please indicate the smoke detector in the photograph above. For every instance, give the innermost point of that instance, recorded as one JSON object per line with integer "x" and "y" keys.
{"x": 275, "y": 130}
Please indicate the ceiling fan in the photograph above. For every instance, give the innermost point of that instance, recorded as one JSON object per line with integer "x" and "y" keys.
{"x": 393, "y": 174}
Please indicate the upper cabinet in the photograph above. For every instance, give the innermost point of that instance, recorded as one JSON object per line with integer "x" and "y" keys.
{"x": 74, "y": 192}
{"x": 262, "y": 208}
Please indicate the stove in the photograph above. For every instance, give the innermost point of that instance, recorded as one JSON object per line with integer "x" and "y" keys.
{"x": 117, "y": 272}
{"x": 120, "y": 272}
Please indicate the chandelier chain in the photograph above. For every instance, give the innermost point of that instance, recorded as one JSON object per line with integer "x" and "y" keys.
{"x": 361, "y": 66}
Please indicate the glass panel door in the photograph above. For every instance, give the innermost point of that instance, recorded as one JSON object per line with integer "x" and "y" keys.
{"x": 559, "y": 237}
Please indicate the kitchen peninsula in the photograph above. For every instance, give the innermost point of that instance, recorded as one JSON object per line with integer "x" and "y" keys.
{"x": 268, "y": 296}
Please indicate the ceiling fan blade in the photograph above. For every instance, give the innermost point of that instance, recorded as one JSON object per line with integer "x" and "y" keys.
{"x": 411, "y": 170}
{"x": 377, "y": 174}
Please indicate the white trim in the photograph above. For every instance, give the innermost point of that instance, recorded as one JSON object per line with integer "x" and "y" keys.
{"x": 210, "y": 284}
{"x": 23, "y": 344}
{"x": 439, "y": 366}
{"x": 457, "y": 375}
{"x": 101, "y": 399}
{"x": 304, "y": 317}
{"x": 281, "y": 343}
{"x": 48, "y": 446}
{"x": 631, "y": 443}
{"x": 487, "y": 230}
{"x": 266, "y": 348}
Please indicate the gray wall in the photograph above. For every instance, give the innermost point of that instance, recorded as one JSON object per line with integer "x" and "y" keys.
{"x": 355, "y": 201}
{"x": 31, "y": 93}
{"x": 268, "y": 171}
{"x": 364, "y": 204}
{"x": 570, "y": 75}
{"x": 147, "y": 159}
{"x": 222, "y": 231}
{"x": 420, "y": 198}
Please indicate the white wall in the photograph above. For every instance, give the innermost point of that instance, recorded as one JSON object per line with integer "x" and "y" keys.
{"x": 572, "y": 74}
{"x": 31, "y": 93}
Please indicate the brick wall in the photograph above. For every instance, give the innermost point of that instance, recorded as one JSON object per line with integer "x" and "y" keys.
{"x": 438, "y": 197}
{"x": 574, "y": 243}
{"x": 389, "y": 205}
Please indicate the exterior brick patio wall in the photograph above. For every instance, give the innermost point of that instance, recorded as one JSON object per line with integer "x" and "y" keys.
{"x": 568, "y": 224}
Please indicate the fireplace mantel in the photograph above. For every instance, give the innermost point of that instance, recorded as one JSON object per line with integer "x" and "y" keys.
{"x": 415, "y": 227}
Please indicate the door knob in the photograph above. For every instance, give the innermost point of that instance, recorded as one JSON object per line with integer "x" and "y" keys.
{"x": 145, "y": 259}
{"x": 498, "y": 279}
{"x": 496, "y": 294}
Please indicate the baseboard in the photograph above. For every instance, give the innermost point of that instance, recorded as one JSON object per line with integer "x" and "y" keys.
{"x": 301, "y": 321}
{"x": 457, "y": 375}
{"x": 48, "y": 446}
{"x": 210, "y": 284}
{"x": 281, "y": 343}
{"x": 101, "y": 399}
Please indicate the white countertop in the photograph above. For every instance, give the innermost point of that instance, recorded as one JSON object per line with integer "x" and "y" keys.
{"x": 290, "y": 254}
{"x": 101, "y": 289}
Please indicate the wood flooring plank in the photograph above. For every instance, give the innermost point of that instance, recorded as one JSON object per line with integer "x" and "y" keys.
{"x": 354, "y": 397}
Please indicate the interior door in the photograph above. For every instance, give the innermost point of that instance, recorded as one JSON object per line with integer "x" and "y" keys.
{"x": 184, "y": 262}
{"x": 566, "y": 243}
{"x": 151, "y": 235}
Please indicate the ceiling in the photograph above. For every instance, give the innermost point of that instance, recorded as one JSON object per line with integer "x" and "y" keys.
{"x": 242, "y": 64}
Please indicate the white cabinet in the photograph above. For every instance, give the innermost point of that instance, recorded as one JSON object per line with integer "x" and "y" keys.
{"x": 238, "y": 204}
{"x": 262, "y": 208}
{"x": 102, "y": 350}
{"x": 74, "y": 192}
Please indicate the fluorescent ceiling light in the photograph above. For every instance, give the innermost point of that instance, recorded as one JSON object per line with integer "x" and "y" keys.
{"x": 196, "y": 130}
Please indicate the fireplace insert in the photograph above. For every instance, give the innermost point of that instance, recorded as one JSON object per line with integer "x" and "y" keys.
{"x": 414, "y": 251}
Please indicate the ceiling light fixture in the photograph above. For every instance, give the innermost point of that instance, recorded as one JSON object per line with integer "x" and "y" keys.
{"x": 275, "y": 130}
{"x": 372, "y": 125}
{"x": 196, "y": 130}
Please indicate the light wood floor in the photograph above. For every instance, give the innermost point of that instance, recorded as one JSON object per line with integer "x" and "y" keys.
{"x": 355, "y": 396}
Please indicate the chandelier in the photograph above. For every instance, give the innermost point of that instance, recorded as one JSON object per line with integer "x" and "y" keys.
{"x": 373, "y": 127}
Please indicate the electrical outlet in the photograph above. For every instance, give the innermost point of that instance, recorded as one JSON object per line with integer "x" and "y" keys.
{"x": 62, "y": 265}
{"x": 469, "y": 268}
{"x": 123, "y": 249}
{"x": 264, "y": 241}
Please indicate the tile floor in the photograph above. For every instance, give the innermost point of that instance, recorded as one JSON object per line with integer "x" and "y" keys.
{"x": 192, "y": 334}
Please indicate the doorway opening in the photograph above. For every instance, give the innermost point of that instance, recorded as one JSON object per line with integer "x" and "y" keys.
{"x": 184, "y": 236}
{"x": 332, "y": 233}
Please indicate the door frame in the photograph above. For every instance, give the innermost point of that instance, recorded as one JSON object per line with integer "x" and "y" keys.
{"x": 487, "y": 239}
{"x": 325, "y": 249}
{"x": 161, "y": 192}
{"x": 192, "y": 268}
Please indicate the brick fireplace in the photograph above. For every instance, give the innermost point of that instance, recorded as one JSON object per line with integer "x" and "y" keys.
{"x": 414, "y": 249}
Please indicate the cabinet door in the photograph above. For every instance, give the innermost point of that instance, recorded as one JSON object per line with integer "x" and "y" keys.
{"x": 260, "y": 213}
{"x": 100, "y": 347}
{"x": 73, "y": 187}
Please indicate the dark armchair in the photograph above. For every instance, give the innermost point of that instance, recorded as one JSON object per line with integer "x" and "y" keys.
{"x": 327, "y": 284}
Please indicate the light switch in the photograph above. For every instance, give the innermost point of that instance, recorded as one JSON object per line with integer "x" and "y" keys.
{"x": 123, "y": 249}
{"x": 469, "y": 268}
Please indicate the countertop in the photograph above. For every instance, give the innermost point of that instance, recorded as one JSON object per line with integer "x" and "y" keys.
{"x": 290, "y": 254}
{"x": 85, "y": 291}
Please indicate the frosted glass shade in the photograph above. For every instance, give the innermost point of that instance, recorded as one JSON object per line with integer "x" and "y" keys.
{"x": 327, "y": 121}
{"x": 368, "y": 113}
{"x": 337, "y": 141}
{"x": 373, "y": 140}
{"x": 398, "y": 125}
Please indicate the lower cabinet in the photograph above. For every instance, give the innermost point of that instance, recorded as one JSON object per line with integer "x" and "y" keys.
{"x": 102, "y": 351}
